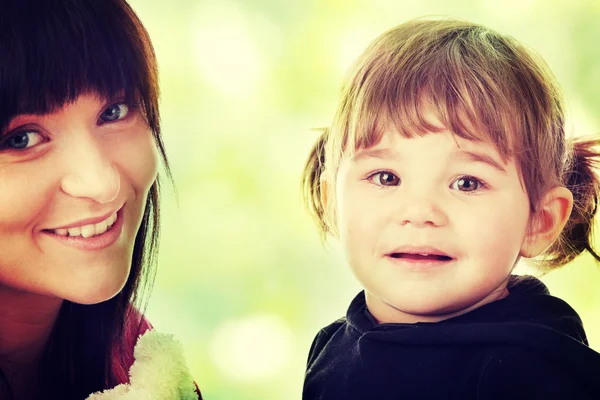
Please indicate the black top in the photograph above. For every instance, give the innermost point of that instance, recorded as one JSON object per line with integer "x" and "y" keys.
{"x": 528, "y": 345}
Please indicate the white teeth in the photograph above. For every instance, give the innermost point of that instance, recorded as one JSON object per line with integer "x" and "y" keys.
{"x": 75, "y": 231}
{"x": 101, "y": 227}
{"x": 111, "y": 220}
{"x": 89, "y": 230}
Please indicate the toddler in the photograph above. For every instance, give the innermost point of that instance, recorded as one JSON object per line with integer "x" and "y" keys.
{"x": 447, "y": 163}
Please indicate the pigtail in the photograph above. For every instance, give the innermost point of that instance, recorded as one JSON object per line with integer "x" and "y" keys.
{"x": 584, "y": 183}
{"x": 311, "y": 183}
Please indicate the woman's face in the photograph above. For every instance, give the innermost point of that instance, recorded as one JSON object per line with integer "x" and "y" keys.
{"x": 73, "y": 187}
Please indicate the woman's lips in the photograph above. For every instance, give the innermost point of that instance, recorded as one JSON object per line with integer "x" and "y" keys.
{"x": 96, "y": 242}
{"x": 88, "y": 221}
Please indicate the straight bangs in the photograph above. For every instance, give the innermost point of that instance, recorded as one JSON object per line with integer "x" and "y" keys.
{"x": 430, "y": 76}
{"x": 55, "y": 50}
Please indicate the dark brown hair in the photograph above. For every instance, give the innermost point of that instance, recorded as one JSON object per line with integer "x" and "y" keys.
{"x": 480, "y": 85}
{"x": 52, "y": 51}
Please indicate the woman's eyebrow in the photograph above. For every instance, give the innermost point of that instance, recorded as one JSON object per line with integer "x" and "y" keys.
{"x": 20, "y": 120}
{"x": 473, "y": 156}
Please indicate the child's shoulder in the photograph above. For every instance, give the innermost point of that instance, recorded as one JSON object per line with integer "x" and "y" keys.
{"x": 329, "y": 330}
{"x": 323, "y": 337}
{"x": 514, "y": 372}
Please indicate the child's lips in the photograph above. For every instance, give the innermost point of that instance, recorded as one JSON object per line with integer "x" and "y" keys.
{"x": 418, "y": 262}
{"x": 410, "y": 251}
{"x": 421, "y": 257}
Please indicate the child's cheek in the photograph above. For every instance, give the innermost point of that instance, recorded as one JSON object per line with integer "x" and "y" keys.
{"x": 495, "y": 230}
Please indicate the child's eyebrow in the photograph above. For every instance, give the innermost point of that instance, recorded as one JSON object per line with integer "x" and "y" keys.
{"x": 460, "y": 155}
{"x": 472, "y": 156}
{"x": 384, "y": 153}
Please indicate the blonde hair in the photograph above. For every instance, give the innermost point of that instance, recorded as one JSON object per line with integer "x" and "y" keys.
{"x": 481, "y": 86}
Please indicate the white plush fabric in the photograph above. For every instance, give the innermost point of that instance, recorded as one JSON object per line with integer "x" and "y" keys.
{"x": 158, "y": 372}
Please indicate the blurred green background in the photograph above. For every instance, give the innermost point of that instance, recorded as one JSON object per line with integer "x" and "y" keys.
{"x": 243, "y": 279}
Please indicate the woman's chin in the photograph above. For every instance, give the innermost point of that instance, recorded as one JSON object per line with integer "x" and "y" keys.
{"x": 95, "y": 294}
{"x": 93, "y": 299}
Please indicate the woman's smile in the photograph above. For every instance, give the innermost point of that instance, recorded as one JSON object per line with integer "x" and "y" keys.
{"x": 91, "y": 236}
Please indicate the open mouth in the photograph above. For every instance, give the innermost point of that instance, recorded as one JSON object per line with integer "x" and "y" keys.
{"x": 420, "y": 257}
{"x": 87, "y": 231}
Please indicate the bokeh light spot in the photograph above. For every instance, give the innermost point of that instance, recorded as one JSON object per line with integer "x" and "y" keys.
{"x": 226, "y": 53}
{"x": 252, "y": 348}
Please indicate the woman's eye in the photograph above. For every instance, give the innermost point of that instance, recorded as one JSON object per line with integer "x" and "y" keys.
{"x": 114, "y": 112}
{"x": 467, "y": 184}
{"x": 21, "y": 140}
{"x": 385, "y": 178}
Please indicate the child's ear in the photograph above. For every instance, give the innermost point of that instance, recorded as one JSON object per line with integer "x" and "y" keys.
{"x": 548, "y": 221}
{"x": 324, "y": 192}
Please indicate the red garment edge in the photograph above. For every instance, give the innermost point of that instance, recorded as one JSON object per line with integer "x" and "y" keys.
{"x": 130, "y": 337}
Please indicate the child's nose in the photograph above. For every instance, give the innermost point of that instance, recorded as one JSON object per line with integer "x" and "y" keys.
{"x": 420, "y": 210}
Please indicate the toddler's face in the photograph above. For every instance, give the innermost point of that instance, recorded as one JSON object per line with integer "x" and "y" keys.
{"x": 431, "y": 226}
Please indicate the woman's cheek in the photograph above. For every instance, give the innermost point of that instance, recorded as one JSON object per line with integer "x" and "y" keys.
{"x": 138, "y": 159}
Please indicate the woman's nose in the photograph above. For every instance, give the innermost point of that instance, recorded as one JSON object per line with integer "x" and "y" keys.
{"x": 90, "y": 172}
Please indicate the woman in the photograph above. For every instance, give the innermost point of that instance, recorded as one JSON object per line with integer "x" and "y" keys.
{"x": 79, "y": 193}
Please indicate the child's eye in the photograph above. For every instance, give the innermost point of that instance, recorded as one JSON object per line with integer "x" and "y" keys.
{"x": 21, "y": 140}
{"x": 384, "y": 178}
{"x": 114, "y": 112}
{"x": 467, "y": 184}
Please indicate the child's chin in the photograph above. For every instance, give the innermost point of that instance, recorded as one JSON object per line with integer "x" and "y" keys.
{"x": 427, "y": 309}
